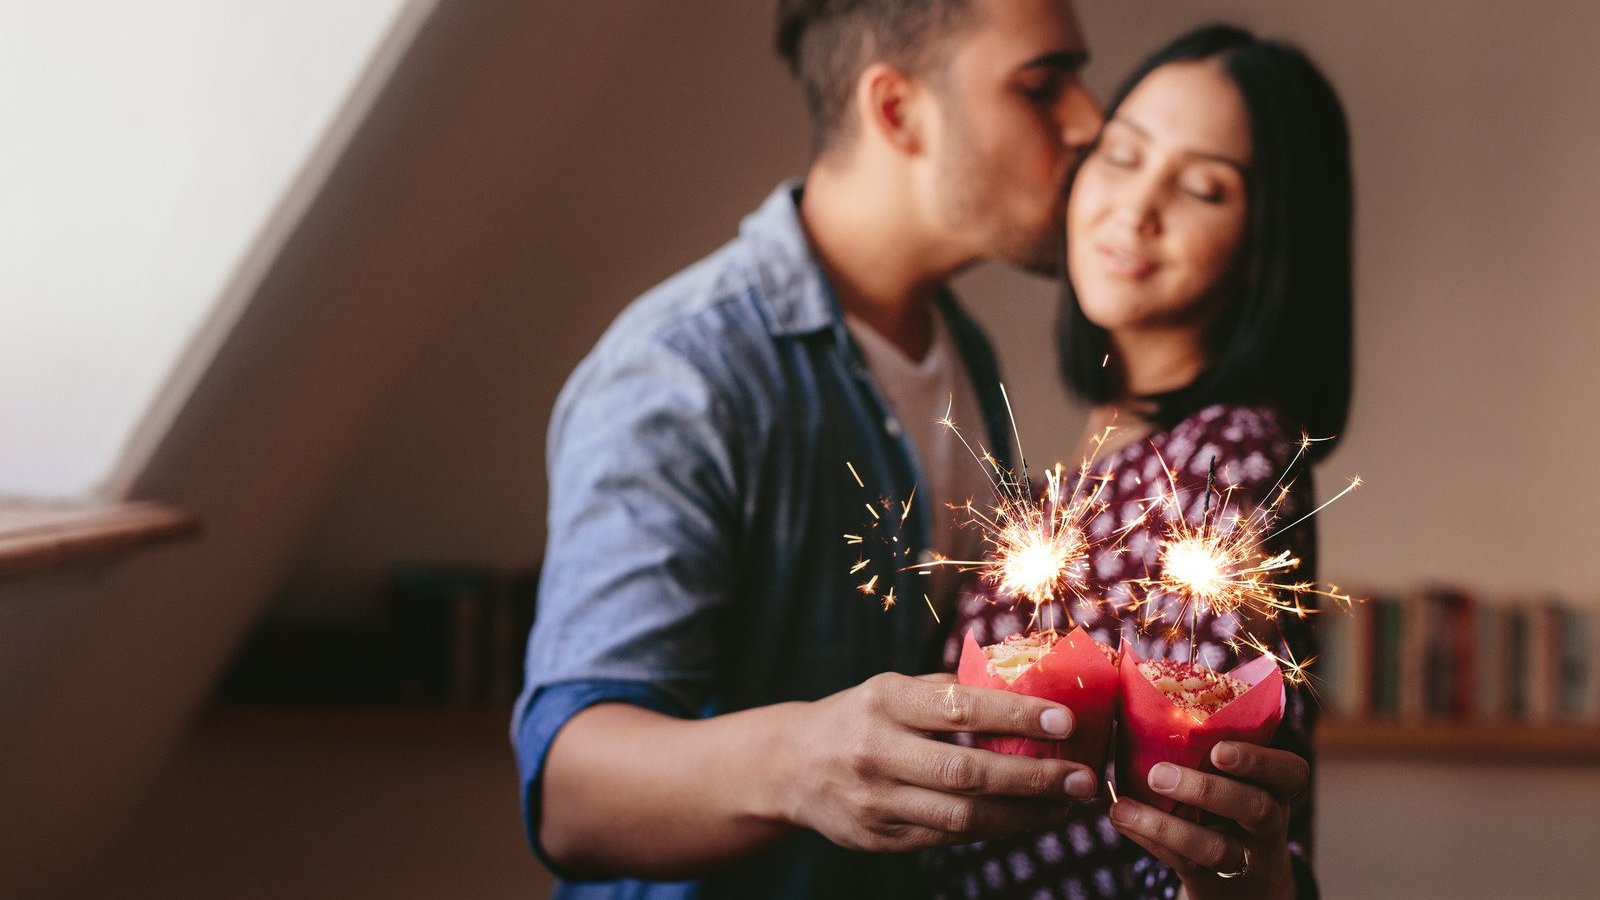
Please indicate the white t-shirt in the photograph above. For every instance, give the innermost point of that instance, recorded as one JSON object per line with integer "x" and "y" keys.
{"x": 919, "y": 392}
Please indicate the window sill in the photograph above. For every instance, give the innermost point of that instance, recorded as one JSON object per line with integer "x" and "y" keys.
{"x": 37, "y": 538}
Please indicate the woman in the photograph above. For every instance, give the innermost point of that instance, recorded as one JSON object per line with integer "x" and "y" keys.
{"x": 1208, "y": 315}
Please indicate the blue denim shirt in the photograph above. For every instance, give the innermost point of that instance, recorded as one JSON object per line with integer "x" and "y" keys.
{"x": 699, "y": 499}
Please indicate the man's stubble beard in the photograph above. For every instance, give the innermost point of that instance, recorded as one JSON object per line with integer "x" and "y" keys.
{"x": 967, "y": 206}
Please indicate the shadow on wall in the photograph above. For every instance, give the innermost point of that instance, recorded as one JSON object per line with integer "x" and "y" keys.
{"x": 663, "y": 142}
{"x": 422, "y": 215}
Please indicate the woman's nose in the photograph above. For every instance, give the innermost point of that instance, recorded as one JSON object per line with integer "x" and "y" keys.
{"x": 1138, "y": 206}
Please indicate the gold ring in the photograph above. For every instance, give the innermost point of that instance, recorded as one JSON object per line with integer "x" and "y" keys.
{"x": 1244, "y": 867}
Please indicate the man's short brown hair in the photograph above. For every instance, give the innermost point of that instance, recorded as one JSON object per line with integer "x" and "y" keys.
{"x": 828, "y": 43}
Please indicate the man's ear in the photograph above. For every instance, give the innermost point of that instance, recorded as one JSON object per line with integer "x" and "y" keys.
{"x": 890, "y": 104}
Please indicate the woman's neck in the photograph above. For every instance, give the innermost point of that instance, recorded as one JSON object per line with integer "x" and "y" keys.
{"x": 1156, "y": 361}
{"x": 1152, "y": 361}
{"x": 1111, "y": 427}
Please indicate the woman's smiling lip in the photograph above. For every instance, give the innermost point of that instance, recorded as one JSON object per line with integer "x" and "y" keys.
{"x": 1126, "y": 263}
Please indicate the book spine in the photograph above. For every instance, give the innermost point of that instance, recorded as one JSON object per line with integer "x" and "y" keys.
{"x": 1386, "y": 640}
{"x": 1336, "y": 662}
{"x": 1361, "y": 666}
{"x": 1491, "y": 664}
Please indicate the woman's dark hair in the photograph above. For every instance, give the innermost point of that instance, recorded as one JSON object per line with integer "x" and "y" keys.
{"x": 1284, "y": 337}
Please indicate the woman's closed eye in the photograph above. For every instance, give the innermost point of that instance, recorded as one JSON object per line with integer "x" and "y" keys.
{"x": 1118, "y": 153}
{"x": 1205, "y": 190}
{"x": 1209, "y": 182}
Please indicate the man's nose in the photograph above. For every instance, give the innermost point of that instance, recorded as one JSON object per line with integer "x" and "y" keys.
{"x": 1081, "y": 118}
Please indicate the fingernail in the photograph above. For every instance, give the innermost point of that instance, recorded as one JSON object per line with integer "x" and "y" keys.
{"x": 1164, "y": 776}
{"x": 1225, "y": 755}
{"x": 1121, "y": 813}
{"x": 1081, "y": 785}
{"x": 1056, "y": 721}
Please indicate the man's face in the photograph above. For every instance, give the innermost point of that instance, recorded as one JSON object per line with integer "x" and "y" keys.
{"x": 1012, "y": 119}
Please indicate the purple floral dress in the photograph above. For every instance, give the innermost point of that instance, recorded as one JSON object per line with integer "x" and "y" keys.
{"x": 1086, "y": 857}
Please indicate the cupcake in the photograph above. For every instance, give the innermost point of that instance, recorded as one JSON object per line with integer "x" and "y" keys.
{"x": 1071, "y": 669}
{"x": 1175, "y": 712}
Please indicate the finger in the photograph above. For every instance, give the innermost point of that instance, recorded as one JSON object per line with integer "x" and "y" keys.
{"x": 971, "y": 818}
{"x": 961, "y": 770}
{"x": 1185, "y": 867}
{"x": 1279, "y": 771}
{"x": 897, "y": 837}
{"x": 918, "y": 704}
{"x": 940, "y": 678}
{"x": 1201, "y": 846}
{"x": 1256, "y": 810}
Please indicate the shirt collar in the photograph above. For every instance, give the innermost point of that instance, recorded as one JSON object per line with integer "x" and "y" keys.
{"x": 790, "y": 286}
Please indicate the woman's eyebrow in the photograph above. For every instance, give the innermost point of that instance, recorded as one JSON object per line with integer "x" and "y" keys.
{"x": 1144, "y": 133}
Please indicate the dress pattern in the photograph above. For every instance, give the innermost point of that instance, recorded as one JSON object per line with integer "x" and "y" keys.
{"x": 1086, "y": 858}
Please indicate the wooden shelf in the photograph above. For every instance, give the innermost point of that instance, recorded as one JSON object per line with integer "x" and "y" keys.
{"x": 38, "y": 537}
{"x": 1478, "y": 742}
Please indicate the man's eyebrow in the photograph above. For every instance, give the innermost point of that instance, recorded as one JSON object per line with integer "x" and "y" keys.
{"x": 1143, "y": 132}
{"x": 1069, "y": 60}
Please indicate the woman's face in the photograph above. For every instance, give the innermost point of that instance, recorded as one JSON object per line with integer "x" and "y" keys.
{"x": 1158, "y": 212}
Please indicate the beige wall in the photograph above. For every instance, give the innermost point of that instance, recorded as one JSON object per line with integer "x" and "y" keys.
{"x": 1474, "y": 151}
{"x": 1477, "y": 211}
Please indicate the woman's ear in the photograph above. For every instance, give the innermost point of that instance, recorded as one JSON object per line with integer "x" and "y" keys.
{"x": 889, "y": 104}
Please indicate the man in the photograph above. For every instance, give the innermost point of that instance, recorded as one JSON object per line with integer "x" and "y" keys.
{"x": 709, "y": 696}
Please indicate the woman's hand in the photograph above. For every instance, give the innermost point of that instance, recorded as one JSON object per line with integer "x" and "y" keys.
{"x": 1253, "y": 849}
{"x": 862, "y": 767}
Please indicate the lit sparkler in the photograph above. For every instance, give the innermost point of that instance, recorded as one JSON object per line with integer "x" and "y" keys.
{"x": 1218, "y": 568}
{"x": 1037, "y": 547}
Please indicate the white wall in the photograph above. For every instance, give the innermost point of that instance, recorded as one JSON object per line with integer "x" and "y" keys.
{"x": 150, "y": 148}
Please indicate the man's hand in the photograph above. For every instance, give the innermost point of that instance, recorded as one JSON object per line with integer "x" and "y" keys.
{"x": 1254, "y": 795}
{"x": 862, "y": 768}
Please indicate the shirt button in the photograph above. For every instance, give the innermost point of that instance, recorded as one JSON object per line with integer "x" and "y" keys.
{"x": 892, "y": 425}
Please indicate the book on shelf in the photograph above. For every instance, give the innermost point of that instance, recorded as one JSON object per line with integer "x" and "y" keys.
{"x": 449, "y": 635}
{"x": 1444, "y": 654}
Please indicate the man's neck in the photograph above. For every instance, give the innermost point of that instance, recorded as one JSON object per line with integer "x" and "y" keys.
{"x": 882, "y": 268}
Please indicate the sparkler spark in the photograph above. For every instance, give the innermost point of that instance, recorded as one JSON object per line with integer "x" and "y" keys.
{"x": 1217, "y": 568}
{"x": 949, "y": 693}
{"x": 1037, "y": 547}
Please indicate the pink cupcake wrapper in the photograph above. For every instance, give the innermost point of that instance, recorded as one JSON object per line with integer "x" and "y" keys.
{"x": 1074, "y": 672}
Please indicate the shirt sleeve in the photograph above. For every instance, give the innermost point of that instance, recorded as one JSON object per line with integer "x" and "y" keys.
{"x": 547, "y": 712}
{"x": 639, "y": 557}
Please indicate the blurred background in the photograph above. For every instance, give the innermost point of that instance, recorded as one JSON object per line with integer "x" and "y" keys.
{"x": 312, "y": 273}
